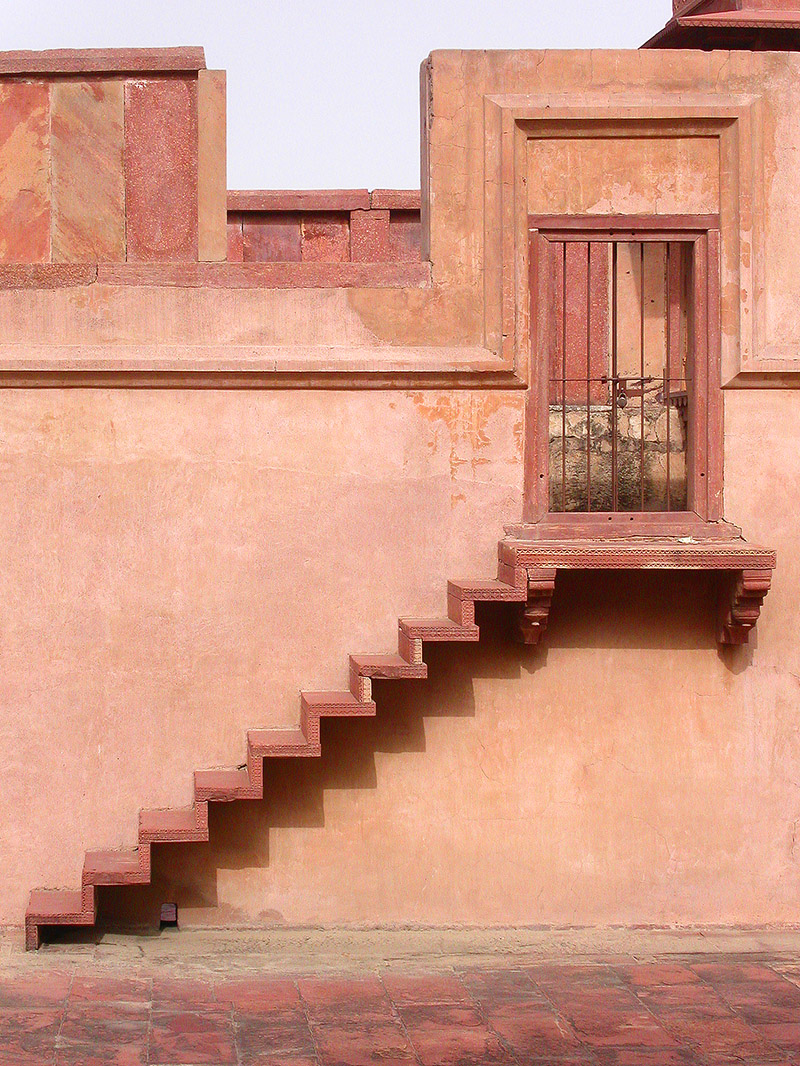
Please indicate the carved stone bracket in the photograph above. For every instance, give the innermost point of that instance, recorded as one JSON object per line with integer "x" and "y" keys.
{"x": 740, "y": 603}
{"x": 534, "y": 614}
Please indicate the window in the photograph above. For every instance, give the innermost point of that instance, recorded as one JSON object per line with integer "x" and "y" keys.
{"x": 624, "y": 414}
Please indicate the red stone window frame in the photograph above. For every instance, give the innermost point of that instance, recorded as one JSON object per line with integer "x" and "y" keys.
{"x": 705, "y": 445}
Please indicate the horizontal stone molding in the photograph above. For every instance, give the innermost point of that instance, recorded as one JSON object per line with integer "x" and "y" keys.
{"x": 103, "y": 61}
{"x": 256, "y": 366}
{"x": 268, "y": 275}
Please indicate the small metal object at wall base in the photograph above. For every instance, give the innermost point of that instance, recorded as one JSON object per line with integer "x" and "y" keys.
{"x": 534, "y": 614}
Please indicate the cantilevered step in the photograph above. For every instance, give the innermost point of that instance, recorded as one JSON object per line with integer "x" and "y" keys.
{"x": 336, "y": 705}
{"x": 224, "y": 786}
{"x": 179, "y": 825}
{"x": 275, "y": 743}
{"x": 58, "y": 906}
{"x": 129, "y": 867}
{"x": 437, "y": 629}
{"x": 486, "y": 591}
{"x": 387, "y": 666}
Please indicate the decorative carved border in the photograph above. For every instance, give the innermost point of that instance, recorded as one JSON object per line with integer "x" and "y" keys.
{"x": 643, "y": 555}
{"x": 234, "y": 366}
{"x": 734, "y": 121}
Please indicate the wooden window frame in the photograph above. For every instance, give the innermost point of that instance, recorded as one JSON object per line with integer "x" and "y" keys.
{"x": 705, "y": 443}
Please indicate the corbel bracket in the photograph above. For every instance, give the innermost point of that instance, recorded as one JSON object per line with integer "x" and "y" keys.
{"x": 741, "y": 597}
{"x": 534, "y": 614}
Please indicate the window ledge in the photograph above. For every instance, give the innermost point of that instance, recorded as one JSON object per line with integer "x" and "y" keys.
{"x": 745, "y": 571}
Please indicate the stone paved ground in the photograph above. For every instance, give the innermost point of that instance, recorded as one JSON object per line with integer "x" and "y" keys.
{"x": 193, "y": 999}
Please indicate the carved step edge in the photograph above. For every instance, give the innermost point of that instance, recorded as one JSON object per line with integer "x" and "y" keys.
{"x": 745, "y": 572}
{"x": 60, "y": 907}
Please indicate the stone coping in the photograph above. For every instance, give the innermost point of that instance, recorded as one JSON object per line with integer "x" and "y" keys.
{"x": 103, "y": 61}
{"x": 280, "y": 200}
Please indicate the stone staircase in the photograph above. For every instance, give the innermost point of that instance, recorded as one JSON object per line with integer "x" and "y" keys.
{"x": 61, "y": 907}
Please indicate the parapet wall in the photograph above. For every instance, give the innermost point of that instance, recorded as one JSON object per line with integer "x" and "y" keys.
{"x": 111, "y": 157}
{"x": 329, "y": 226}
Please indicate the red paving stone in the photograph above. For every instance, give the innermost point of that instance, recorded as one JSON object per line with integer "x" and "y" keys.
{"x": 692, "y": 1011}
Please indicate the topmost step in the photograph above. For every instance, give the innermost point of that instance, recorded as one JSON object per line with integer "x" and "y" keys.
{"x": 486, "y": 590}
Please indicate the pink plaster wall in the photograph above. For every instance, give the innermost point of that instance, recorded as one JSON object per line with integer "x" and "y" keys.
{"x": 176, "y": 563}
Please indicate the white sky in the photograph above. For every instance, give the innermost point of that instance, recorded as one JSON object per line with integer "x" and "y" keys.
{"x": 324, "y": 93}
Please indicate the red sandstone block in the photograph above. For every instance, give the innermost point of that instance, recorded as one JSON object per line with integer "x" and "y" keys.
{"x": 297, "y": 199}
{"x": 280, "y": 743}
{"x": 405, "y": 235}
{"x": 396, "y": 199}
{"x": 24, "y": 165}
{"x": 404, "y": 990}
{"x": 646, "y": 975}
{"x": 363, "y": 1041}
{"x": 357, "y": 1003}
{"x": 494, "y": 987}
{"x": 92, "y": 1035}
{"x": 46, "y": 275}
{"x": 325, "y": 238}
{"x": 271, "y": 238}
{"x": 452, "y": 1033}
{"x": 224, "y": 786}
{"x": 235, "y": 239}
{"x": 384, "y": 236}
{"x": 102, "y": 60}
{"x": 178, "y": 824}
{"x": 387, "y": 666}
{"x": 161, "y": 169}
{"x": 438, "y": 629}
{"x": 369, "y": 237}
{"x": 275, "y": 1038}
{"x": 116, "y": 867}
{"x": 276, "y": 995}
{"x": 336, "y": 704}
{"x": 178, "y": 1037}
{"x": 534, "y": 1031}
{"x": 34, "y": 991}
{"x": 334, "y": 992}
{"x": 28, "y": 1039}
{"x": 485, "y": 590}
{"x": 110, "y": 989}
{"x": 177, "y": 994}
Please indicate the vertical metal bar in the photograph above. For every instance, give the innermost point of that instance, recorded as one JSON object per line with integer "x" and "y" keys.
{"x": 641, "y": 383}
{"x": 564, "y": 380}
{"x": 589, "y": 376}
{"x": 668, "y": 363}
{"x": 614, "y": 376}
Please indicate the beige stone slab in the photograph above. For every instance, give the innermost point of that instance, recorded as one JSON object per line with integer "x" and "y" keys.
{"x": 669, "y": 175}
{"x": 24, "y": 177}
{"x": 88, "y": 211}
{"x": 212, "y": 183}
